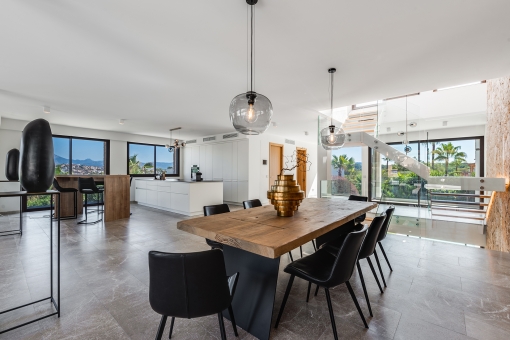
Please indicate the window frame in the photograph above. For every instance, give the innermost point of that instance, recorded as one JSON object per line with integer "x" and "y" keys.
{"x": 177, "y": 160}
{"x": 106, "y": 154}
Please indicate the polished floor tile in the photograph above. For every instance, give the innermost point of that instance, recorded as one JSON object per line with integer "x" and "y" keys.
{"x": 436, "y": 291}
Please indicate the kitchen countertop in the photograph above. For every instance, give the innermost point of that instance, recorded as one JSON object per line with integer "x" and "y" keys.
{"x": 175, "y": 180}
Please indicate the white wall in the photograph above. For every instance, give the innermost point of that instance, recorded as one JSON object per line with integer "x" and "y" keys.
{"x": 10, "y": 137}
{"x": 259, "y": 173}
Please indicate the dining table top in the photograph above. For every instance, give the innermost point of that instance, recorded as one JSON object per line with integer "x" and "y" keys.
{"x": 259, "y": 230}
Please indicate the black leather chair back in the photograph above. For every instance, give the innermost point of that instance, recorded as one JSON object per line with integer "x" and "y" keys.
{"x": 386, "y": 224}
{"x": 12, "y": 165}
{"x": 347, "y": 257}
{"x": 87, "y": 183}
{"x": 371, "y": 240}
{"x": 252, "y": 204}
{"x": 56, "y": 185}
{"x": 216, "y": 209}
{"x": 188, "y": 285}
{"x": 358, "y": 198}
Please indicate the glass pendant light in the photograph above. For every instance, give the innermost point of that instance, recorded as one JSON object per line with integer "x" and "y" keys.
{"x": 251, "y": 112}
{"x": 175, "y": 144}
{"x": 332, "y": 137}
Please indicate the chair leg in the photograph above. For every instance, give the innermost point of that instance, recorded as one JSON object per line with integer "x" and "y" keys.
{"x": 308, "y": 293}
{"x": 313, "y": 244}
{"x": 380, "y": 269}
{"x": 285, "y": 297}
{"x": 301, "y": 251}
{"x": 171, "y": 327}
{"x": 384, "y": 254}
{"x": 291, "y": 259}
{"x": 232, "y": 319}
{"x": 161, "y": 327}
{"x": 222, "y": 327}
{"x": 331, "y": 314}
{"x": 316, "y": 290}
{"x": 364, "y": 288}
{"x": 356, "y": 303}
{"x": 375, "y": 275}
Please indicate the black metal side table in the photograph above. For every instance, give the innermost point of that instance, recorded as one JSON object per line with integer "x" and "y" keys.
{"x": 53, "y": 301}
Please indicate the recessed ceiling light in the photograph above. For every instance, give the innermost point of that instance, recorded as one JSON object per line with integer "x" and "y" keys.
{"x": 401, "y": 133}
{"x": 46, "y": 109}
{"x": 274, "y": 124}
{"x": 122, "y": 121}
{"x": 306, "y": 133}
{"x": 413, "y": 124}
{"x": 388, "y": 129}
{"x": 445, "y": 123}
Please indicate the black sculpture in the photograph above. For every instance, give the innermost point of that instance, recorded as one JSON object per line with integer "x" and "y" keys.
{"x": 37, "y": 165}
{"x": 12, "y": 165}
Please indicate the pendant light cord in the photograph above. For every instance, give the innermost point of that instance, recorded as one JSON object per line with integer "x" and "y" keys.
{"x": 332, "y": 75}
{"x": 251, "y": 52}
{"x": 407, "y": 137}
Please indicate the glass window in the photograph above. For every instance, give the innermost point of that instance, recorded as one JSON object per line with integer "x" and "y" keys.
{"x": 149, "y": 160}
{"x": 88, "y": 157}
{"x": 61, "y": 147}
{"x": 346, "y": 171}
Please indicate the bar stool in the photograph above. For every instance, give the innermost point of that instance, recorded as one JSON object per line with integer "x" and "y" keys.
{"x": 75, "y": 198}
{"x": 87, "y": 187}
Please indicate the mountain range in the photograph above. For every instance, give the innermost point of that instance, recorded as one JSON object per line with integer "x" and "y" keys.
{"x": 88, "y": 161}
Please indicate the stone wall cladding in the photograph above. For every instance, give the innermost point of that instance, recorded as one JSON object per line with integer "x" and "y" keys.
{"x": 497, "y": 139}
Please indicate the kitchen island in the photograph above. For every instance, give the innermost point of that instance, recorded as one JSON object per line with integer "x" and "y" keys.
{"x": 178, "y": 196}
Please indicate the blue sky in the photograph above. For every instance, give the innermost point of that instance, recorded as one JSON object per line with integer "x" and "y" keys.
{"x": 82, "y": 149}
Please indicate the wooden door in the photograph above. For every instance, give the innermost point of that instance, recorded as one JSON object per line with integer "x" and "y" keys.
{"x": 301, "y": 170}
{"x": 275, "y": 161}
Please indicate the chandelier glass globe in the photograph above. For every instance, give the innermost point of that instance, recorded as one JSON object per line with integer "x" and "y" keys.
{"x": 332, "y": 137}
{"x": 251, "y": 113}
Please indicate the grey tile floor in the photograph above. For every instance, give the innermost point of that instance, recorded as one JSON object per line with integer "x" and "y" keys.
{"x": 436, "y": 291}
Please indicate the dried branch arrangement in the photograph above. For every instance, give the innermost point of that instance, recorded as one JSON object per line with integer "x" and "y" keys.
{"x": 295, "y": 161}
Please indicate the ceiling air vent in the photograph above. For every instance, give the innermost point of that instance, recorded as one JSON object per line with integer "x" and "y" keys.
{"x": 230, "y": 135}
{"x": 191, "y": 141}
{"x": 208, "y": 139}
{"x": 290, "y": 141}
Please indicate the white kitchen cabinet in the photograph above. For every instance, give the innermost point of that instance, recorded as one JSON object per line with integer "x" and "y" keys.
{"x": 234, "y": 161}
{"x": 227, "y": 191}
{"x": 242, "y": 160}
{"x": 164, "y": 199}
{"x": 217, "y": 162}
{"x": 183, "y": 197}
{"x": 187, "y": 152}
{"x": 233, "y": 192}
{"x": 141, "y": 195}
{"x": 208, "y": 174}
{"x": 226, "y": 149}
{"x": 242, "y": 191}
{"x": 152, "y": 197}
{"x": 195, "y": 155}
{"x": 179, "y": 202}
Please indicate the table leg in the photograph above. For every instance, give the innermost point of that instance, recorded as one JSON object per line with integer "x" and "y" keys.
{"x": 255, "y": 293}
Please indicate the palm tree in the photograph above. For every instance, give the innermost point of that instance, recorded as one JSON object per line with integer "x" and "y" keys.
{"x": 447, "y": 152}
{"x": 134, "y": 165}
{"x": 387, "y": 160}
{"x": 342, "y": 162}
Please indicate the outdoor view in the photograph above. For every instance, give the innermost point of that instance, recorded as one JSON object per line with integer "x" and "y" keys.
{"x": 448, "y": 158}
{"x": 88, "y": 158}
{"x": 143, "y": 157}
{"x": 346, "y": 175}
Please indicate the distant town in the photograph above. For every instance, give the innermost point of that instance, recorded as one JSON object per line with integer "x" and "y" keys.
{"x": 79, "y": 169}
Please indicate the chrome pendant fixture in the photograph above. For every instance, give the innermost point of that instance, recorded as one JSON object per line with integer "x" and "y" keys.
{"x": 332, "y": 137}
{"x": 175, "y": 144}
{"x": 251, "y": 112}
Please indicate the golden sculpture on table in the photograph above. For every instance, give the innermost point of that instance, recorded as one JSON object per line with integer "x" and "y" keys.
{"x": 286, "y": 195}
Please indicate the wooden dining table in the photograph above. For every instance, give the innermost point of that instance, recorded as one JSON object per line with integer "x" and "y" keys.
{"x": 253, "y": 241}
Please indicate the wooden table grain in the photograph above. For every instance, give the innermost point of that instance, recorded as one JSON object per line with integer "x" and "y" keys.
{"x": 260, "y": 231}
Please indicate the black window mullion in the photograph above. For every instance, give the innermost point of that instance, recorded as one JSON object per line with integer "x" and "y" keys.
{"x": 154, "y": 160}
{"x": 70, "y": 156}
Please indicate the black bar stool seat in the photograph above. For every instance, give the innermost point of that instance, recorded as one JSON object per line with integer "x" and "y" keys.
{"x": 60, "y": 189}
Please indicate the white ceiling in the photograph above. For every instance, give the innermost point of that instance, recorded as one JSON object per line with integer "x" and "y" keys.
{"x": 161, "y": 64}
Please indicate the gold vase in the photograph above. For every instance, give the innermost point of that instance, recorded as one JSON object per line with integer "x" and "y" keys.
{"x": 286, "y": 195}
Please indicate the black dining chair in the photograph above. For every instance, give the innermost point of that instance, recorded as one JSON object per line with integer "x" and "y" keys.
{"x": 328, "y": 271}
{"x": 367, "y": 249}
{"x": 190, "y": 285}
{"x": 360, "y": 218}
{"x": 382, "y": 236}
{"x": 74, "y": 191}
{"x": 87, "y": 186}
{"x": 215, "y": 210}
